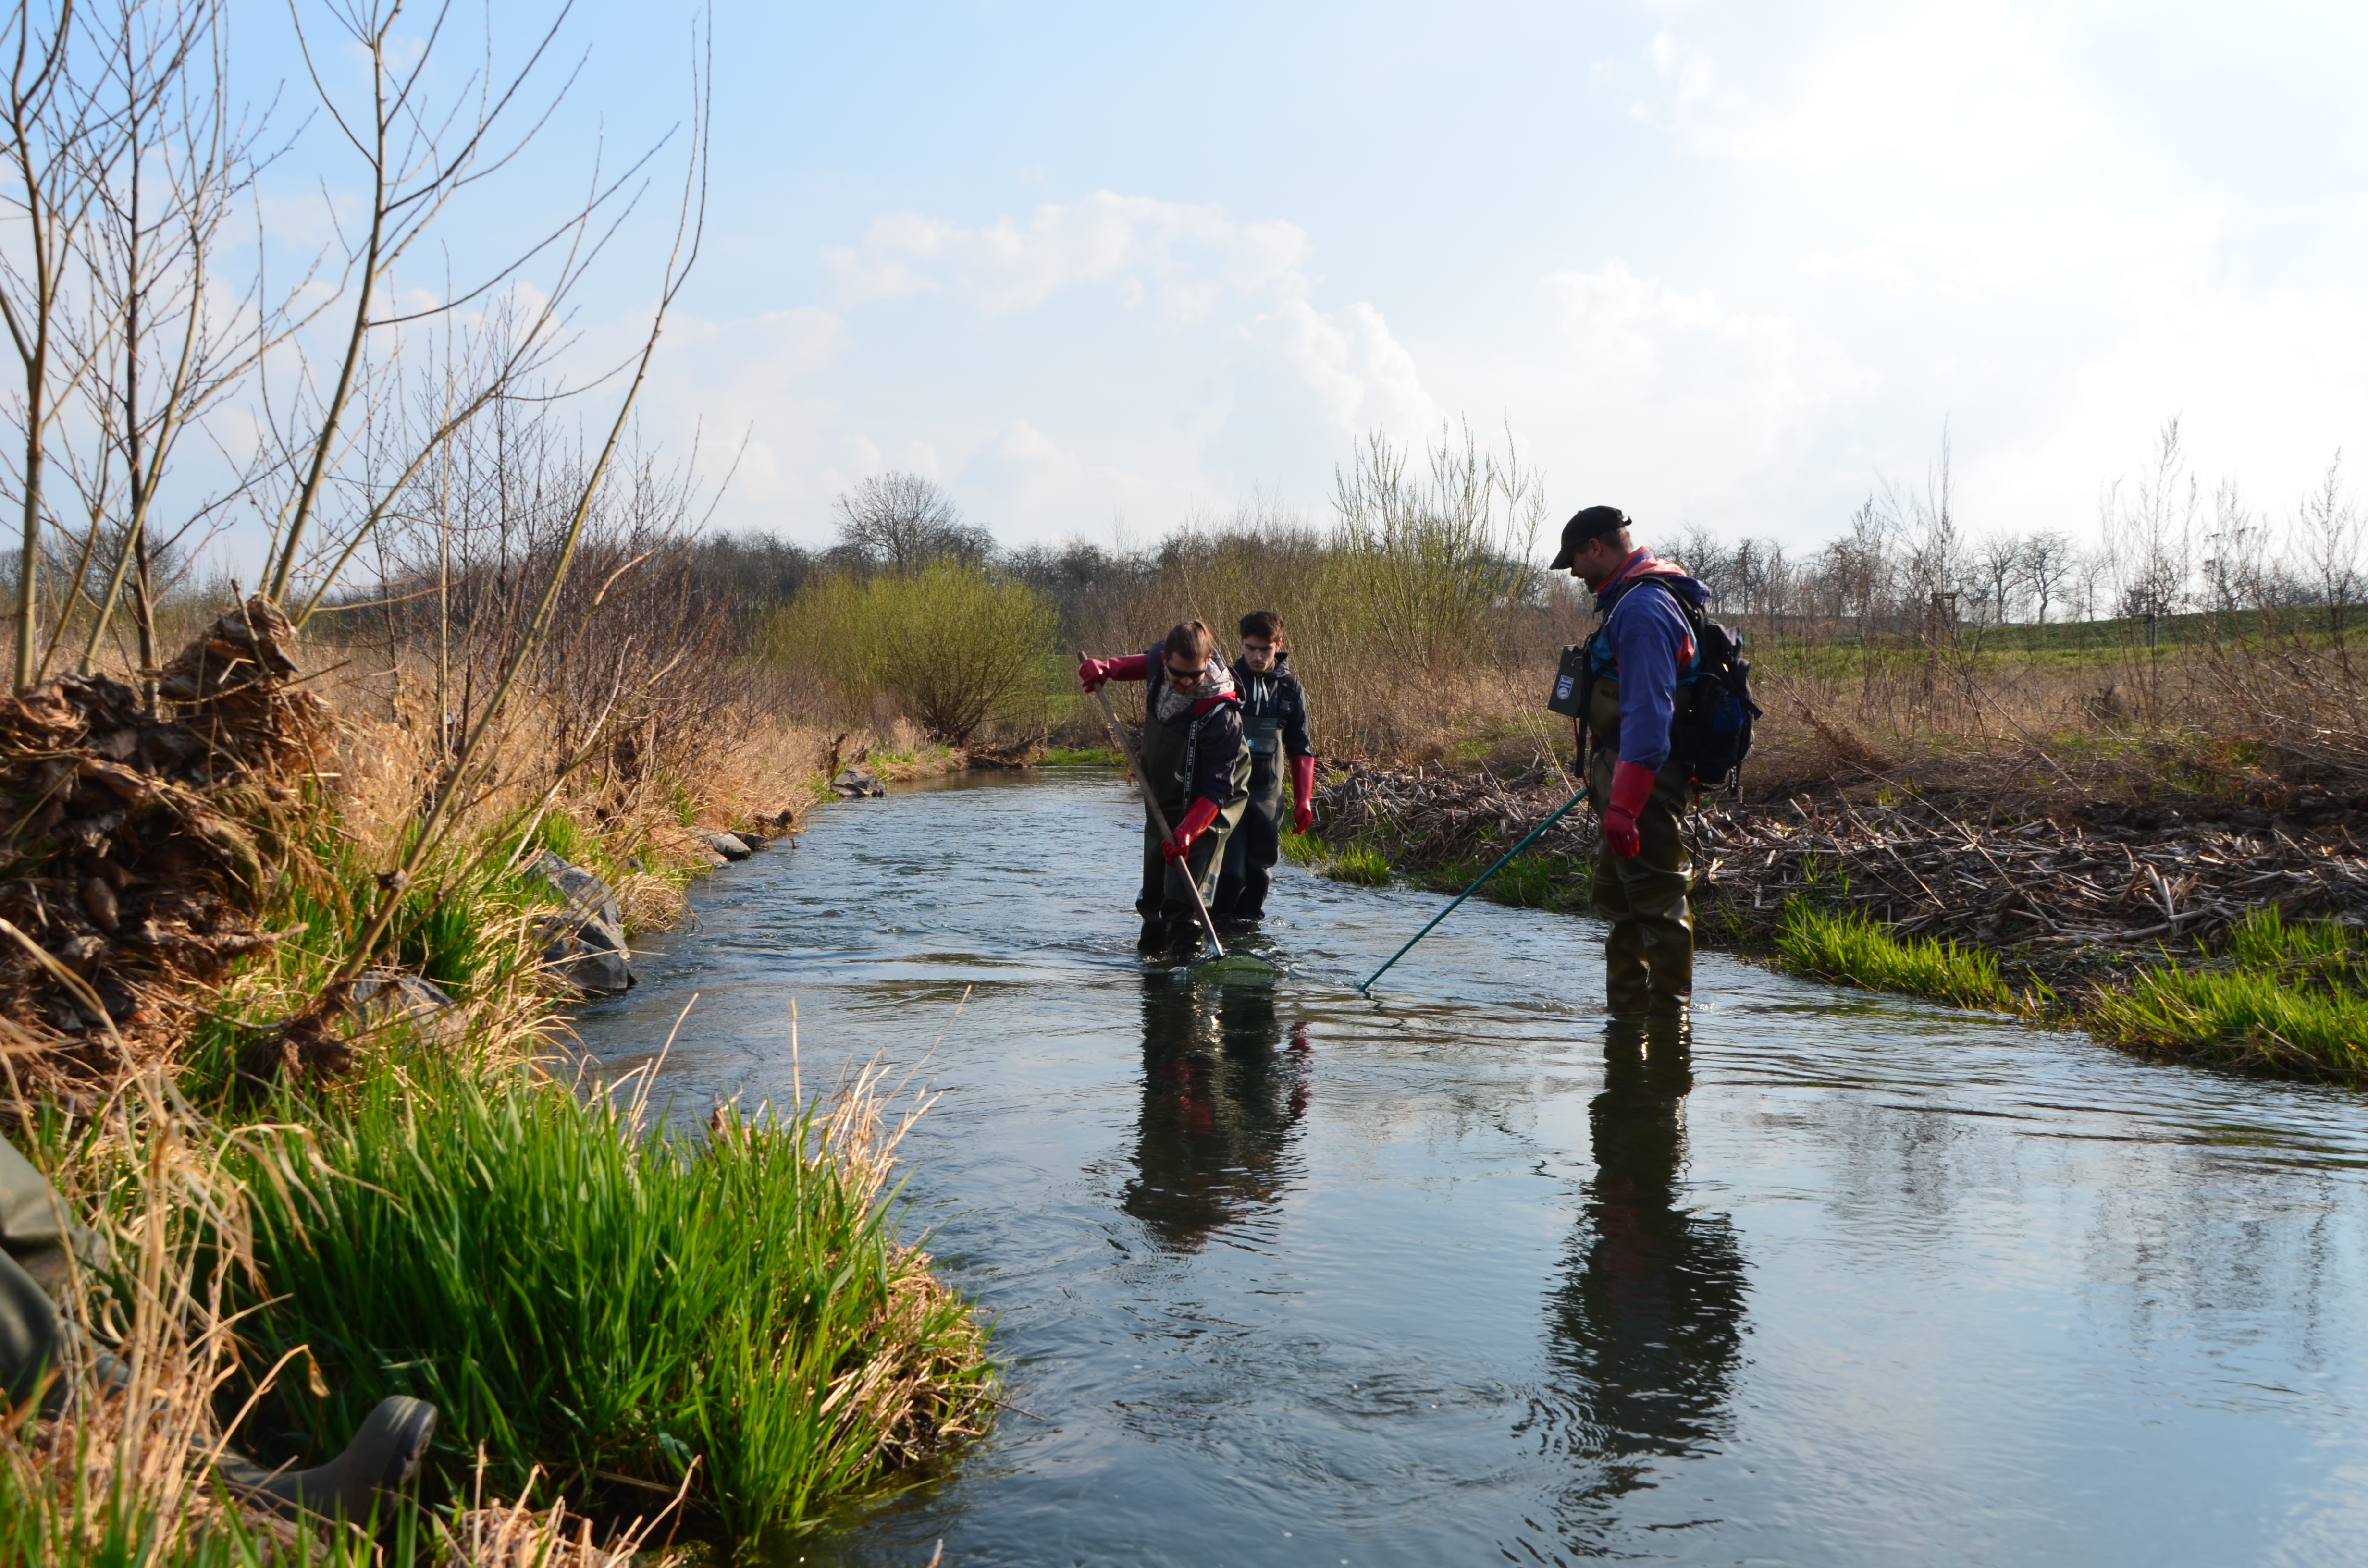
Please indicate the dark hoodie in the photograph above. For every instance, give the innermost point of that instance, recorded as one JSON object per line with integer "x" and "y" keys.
{"x": 1647, "y": 646}
{"x": 1274, "y": 711}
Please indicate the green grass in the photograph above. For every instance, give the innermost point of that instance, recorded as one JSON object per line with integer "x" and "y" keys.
{"x": 2286, "y": 989}
{"x": 2237, "y": 1013}
{"x": 1362, "y": 864}
{"x": 602, "y": 1302}
{"x": 89, "y": 1518}
{"x": 1083, "y": 756}
{"x": 2266, "y": 941}
{"x": 1539, "y": 879}
{"x": 1850, "y": 947}
{"x": 1359, "y": 862}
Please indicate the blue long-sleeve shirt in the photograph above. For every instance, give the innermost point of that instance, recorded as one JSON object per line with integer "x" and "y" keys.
{"x": 1648, "y": 648}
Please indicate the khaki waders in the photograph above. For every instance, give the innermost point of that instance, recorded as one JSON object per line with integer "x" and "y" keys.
{"x": 1165, "y": 896}
{"x": 1649, "y": 954}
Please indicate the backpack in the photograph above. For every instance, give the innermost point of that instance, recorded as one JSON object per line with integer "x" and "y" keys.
{"x": 1712, "y": 737}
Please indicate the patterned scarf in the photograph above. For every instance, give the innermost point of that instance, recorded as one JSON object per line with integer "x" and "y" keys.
{"x": 1216, "y": 680}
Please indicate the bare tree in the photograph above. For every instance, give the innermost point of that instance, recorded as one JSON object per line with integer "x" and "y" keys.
{"x": 173, "y": 340}
{"x": 2236, "y": 572}
{"x": 2149, "y": 531}
{"x": 903, "y": 521}
{"x": 50, "y": 122}
{"x": 2329, "y": 526}
{"x": 1999, "y": 559}
{"x": 2047, "y": 567}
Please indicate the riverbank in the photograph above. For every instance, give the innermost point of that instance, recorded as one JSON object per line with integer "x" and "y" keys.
{"x": 311, "y": 1161}
{"x": 2194, "y": 927}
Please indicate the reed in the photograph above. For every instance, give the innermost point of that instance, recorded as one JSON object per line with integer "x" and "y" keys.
{"x": 612, "y": 1301}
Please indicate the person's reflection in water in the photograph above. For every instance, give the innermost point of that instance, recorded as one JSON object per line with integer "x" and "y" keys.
{"x": 1220, "y": 1103}
{"x": 1647, "y": 1325}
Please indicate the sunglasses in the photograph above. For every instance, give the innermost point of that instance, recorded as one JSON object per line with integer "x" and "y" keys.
{"x": 1191, "y": 677}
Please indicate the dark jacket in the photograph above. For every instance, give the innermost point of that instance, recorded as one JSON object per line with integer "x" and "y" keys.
{"x": 1219, "y": 738}
{"x": 1274, "y": 711}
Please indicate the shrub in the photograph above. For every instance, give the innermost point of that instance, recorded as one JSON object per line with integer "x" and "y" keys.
{"x": 951, "y": 645}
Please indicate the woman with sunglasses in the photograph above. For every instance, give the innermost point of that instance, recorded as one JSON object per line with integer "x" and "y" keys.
{"x": 1195, "y": 762}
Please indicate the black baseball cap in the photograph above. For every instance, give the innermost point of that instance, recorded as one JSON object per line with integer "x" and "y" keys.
{"x": 1592, "y": 523}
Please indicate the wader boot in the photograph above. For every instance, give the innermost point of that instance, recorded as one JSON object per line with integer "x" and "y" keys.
{"x": 384, "y": 1455}
{"x": 35, "y": 1266}
{"x": 1254, "y": 847}
{"x": 1649, "y": 954}
{"x": 1164, "y": 895}
{"x": 35, "y": 1271}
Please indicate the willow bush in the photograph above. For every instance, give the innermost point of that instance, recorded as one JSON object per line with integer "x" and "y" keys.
{"x": 950, "y": 646}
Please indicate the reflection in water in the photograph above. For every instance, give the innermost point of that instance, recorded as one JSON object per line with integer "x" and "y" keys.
{"x": 1219, "y": 1106}
{"x": 1647, "y": 1327}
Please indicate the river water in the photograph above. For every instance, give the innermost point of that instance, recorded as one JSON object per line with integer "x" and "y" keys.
{"x": 1282, "y": 1275}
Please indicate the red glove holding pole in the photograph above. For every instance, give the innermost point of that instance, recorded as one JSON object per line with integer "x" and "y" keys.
{"x": 1632, "y": 786}
{"x": 1303, "y": 791}
{"x": 1093, "y": 671}
{"x": 1180, "y": 842}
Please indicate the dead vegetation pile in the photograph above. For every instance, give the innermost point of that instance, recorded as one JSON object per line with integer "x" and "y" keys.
{"x": 137, "y": 853}
{"x": 1995, "y": 871}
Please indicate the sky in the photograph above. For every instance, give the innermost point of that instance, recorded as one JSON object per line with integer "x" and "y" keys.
{"x": 1096, "y": 269}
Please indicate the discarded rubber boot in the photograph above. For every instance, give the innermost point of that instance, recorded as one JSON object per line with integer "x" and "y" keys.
{"x": 384, "y": 1455}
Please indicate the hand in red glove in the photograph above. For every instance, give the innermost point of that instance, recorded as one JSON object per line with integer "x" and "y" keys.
{"x": 1180, "y": 842}
{"x": 1092, "y": 673}
{"x": 1632, "y": 786}
{"x": 1302, "y": 793}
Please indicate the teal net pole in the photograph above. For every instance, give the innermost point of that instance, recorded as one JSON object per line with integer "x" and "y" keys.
{"x": 1483, "y": 876}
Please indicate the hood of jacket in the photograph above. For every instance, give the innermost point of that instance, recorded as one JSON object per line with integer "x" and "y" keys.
{"x": 1642, "y": 566}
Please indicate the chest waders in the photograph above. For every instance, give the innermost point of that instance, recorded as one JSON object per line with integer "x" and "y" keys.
{"x": 1649, "y": 954}
{"x": 1254, "y": 847}
{"x": 1167, "y": 759}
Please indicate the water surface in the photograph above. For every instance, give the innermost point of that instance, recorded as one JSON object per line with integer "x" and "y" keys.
{"x": 1458, "y": 1275}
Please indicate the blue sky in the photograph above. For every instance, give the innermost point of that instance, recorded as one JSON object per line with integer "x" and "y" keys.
{"x": 1720, "y": 263}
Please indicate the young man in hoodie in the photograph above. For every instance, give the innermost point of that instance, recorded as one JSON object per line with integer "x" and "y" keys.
{"x": 1274, "y": 723}
{"x": 1641, "y": 662}
{"x": 1194, "y": 759}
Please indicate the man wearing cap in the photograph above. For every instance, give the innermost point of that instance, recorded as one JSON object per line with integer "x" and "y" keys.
{"x": 1641, "y": 664}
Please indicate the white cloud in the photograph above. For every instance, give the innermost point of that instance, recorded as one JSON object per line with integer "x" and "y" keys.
{"x": 1022, "y": 473}
{"x": 1655, "y": 375}
{"x": 1189, "y": 252}
{"x": 1947, "y": 89}
{"x": 1361, "y": 376}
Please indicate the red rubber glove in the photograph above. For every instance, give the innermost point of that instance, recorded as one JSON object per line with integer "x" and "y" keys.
{"x": 1180, "y": 842}
{"x": 1303, "y": 791}
{"x": 1092, "y": 673}
{"x": 1632, "y": 786}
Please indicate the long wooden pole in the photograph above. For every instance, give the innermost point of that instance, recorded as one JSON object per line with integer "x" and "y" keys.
{"x": 1159, "y": 817}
